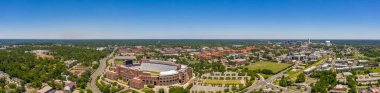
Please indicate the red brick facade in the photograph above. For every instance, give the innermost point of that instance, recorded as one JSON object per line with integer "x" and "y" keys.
{"x": 136, "y": 83}
{"x": 137, "y": 78}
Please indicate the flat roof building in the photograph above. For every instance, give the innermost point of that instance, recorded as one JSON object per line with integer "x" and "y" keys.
{"x": 308, "y": 70}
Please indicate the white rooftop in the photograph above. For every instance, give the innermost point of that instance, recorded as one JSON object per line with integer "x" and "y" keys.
{"x": 66, "y": 88}
{"x": 347, "y": 73}
{"x": 168, "y": 73}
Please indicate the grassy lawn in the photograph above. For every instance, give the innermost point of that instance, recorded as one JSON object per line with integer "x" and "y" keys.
{"x": 290, "y": 72}
{"x": 217, "y": 82}
{"x": 375, "y": 70}
{"x": 266, "y": 76}
{"x": 118, "y": 62}
{"x": 153, "y": 72}
{"x": 147, "y": 90}
{"x": 275, "y": 67}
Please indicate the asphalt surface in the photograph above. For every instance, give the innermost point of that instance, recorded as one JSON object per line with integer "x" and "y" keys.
{"x": 101, "y": 69}
{"x": 268, "y": 83}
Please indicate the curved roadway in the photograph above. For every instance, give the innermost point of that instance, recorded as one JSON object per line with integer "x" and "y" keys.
{"x": 268, "y": 82}
{"x": 101, "y": 69}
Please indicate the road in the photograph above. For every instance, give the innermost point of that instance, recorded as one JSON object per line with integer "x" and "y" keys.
{"x": 278, "y": 75}
{"x": 268, "y": 83}
{"x": 101, "y": 69}
{"x": 256, "y": 85}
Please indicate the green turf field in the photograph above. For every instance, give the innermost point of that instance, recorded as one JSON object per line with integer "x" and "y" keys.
{"x": 275, "y": 67}
{"x": 118, "y": 62}
{"x": 153, "y": 72}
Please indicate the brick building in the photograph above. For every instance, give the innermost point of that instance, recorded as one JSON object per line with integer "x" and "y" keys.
{"x": 160, "y": 73}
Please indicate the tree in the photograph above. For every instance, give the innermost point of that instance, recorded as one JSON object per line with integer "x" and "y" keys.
{"x": 241, "y": 86}
{"x": 367, "y": 71}
{"x": 20, "y": 89}
{"x": 352, "y": 90}
{"x": 234, "y": 88}
{"x": 301, "y": 78}
{"x": 266, "y": 71}
{"x": 147, "y": 90}
{"x": 285, "y": 81}
{"x": 3, "y": 90}
{"x": 150, "y": 86}
{"x": 351, "y": 84}
{"x": 134, "y": 91}
{"x": 89, "y": 91}
{"x": 2, "y": 82}
{"x": 189, "y": 86}
{"x": 326, "y": 79}
{"x": 177, "y": 90}
{"x": 35, "y": 70}
{"x": 12, "y": 86}
{"x": 161, "y": 90}
{"x": 226, "y": 90}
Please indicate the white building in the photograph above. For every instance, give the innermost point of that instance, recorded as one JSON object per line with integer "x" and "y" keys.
{"x": 308, "y": 70}
{"x": 328, "y": 43}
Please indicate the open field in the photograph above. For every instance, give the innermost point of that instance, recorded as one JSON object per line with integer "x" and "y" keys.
{"x": 228, "y": 82}
{"x": 275, "y": 67}
{"x": 153, "y": 72}
{"x": 375, "y": 70}
{"x": 118, "y": 62}
{"x": 290, "y": 72}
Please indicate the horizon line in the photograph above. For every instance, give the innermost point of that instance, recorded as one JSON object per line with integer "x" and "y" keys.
{"x": 171, "y": 39}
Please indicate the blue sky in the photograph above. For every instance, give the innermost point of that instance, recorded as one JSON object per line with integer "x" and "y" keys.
{"x": 189, "y": 19}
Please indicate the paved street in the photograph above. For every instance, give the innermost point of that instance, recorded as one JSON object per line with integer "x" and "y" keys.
{"x": 101, "y": 69}
{"x": 268, "y": 83}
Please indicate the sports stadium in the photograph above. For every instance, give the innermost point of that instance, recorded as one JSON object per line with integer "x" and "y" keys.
{"x": 156, "y": 72}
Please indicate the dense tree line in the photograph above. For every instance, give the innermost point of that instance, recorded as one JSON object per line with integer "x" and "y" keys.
{"x": 13, "y": 87}
{"x": 351, "y": 84}
{"x": 27, "y": 67}
{"x": 84, "y": 55}
{"x": 245, "y": 71}
{"x": 82, "y": 81}
{"x": 370, "y": 52}
{"x": 178, "y": 90}
{"x": 326, "y": 81}
{"x": 31, "y": 69}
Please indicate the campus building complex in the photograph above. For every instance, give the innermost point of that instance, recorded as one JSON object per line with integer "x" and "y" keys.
{"x": 161, "y": 73}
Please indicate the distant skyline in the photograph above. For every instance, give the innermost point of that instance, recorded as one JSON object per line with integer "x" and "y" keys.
{"x": 189, "y": 19}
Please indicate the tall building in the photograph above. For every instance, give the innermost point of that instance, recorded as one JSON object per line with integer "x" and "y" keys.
{"x": 328, "y": 43}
